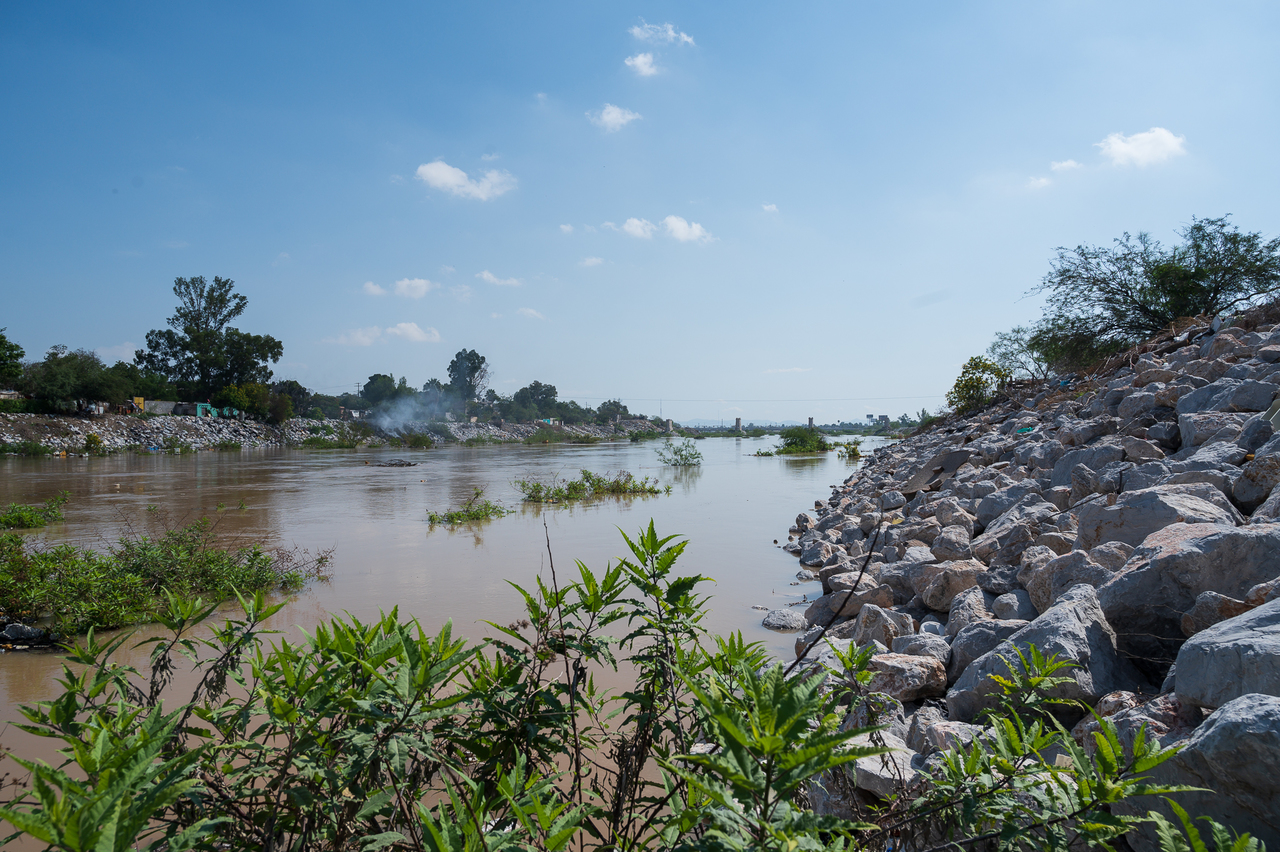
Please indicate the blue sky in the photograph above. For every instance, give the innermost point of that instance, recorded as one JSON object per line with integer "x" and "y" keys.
{"x": 772, "y": 211}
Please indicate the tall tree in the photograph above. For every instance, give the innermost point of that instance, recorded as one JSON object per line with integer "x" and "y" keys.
{"x": 11, "y": 355}
{"x": 468, "y": 374}
{"x": 379, "y": 387}
{"x": 199, "y": 352}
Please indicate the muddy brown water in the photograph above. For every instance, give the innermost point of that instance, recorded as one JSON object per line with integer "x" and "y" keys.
{"x": 386, "y": 554}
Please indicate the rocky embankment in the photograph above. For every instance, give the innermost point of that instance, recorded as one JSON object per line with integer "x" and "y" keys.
{"x": 511, "y": 432}
{"x": 1133, "y": 529}
{"x": 118, "y": 432}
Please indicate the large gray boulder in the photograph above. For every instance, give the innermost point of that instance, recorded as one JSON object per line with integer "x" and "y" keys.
{"x": 1196, "y": 429}
{"x": 994, "y": 505}
{"x": 1232, "y": 658}
{"x": 1257, "y": 479}
{"x": 1233, "y": 755}
{"x": 1161, "y": 581}
{"x": 1095, "y": 457}
{"x": 976, "y": 639}
{"x": 1046, "y": 584}
{"x": 1075, "y": 629}
{"x": 1137, "y": 514}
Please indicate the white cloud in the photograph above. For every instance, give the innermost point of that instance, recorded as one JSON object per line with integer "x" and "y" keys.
{"x": 530, "y": 313}
{"x": 641, "y": 228}
{"x": 373, "y": 289}
{"x": 281, "y": 259}
{"x": 410, "y": 331}
{"x": 447, "y": 270}
{"x": 684, "y": 231}
{"x": 642, "y": 64}
{"x": 1142, "y": 149}
{"x": 488, "y": 157}
{"x": 120, "y": 352}
{"x": 1064, "y": 165}
{"x": 770, "y": 208}
{"x": 493, "y": 279}
{"x": 357, "y": 337}
{"x": 441, "y": 175}
{"x": 591, "y": 261}
{"x": 1038, "y": 182}
{"x": 789, "y": 370}
{"x": 567, "y": 229}
{"x": 613, "y": 118}
{"x": 462, "y": 292}
{"x": 665, "y": 33}
{"x": 414, "y": 288}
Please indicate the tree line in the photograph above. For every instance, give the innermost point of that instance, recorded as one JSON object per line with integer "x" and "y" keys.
{"x": 202, "y": 357}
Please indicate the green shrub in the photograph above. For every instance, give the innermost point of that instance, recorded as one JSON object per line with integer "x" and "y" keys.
{"x": 26, "y": 448}
{"x": 93, "y": 444}
{"x": 684, "y": 454}
{"x": 418, "y": 441}
{"x": 20, "y": 517}
{"x": 587, "y": 485}
{"x": 381, "y": 735}
{"x": 315, "y": 442}
{"x": 979, "y": 380}
{"x": 82, "y": 589}
{"x": 227, "y": 446}
{"x": 475, "y": 509}
{"x": 802, "y": 439}
{"x": 174, "y": 444}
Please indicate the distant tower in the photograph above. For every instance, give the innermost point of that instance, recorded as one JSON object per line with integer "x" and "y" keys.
{"x": 737, "y": 424}
{"x": 810, "y": 422}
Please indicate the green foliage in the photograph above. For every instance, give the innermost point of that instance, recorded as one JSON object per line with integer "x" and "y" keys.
{"x": 11, "y": 355}
{"x": 547, "y": 435}
{"x": 801, "y": 439}
{"x": 851, "y": 450}
{"x": 25, "y": 448}
{"x": 316, "y": 442}
{"x": 93, "y": 444}
{"x": 418, "y": 441}
{"x": 1016, "y": 352}
{"x": 380, "y": 735}
{"x": 63, "y": 378}
{"x": 1138, "y": 287}
{"x": 1188, "y": 839}
{"x": 20, "y": 517}
{"x": 82, "y": 589}
{"x": 979, "y": 380}
{"x": 588, "y": 485}
{"x": 763, "y": 453}
{"x": 227, "y": 446}
{"x": 469, "y": 374}
{"x": 174, "y": 444}
{"x": 475, "y": 509}
{"x": 684, "y": 454}
{"x": 199, "y": 352}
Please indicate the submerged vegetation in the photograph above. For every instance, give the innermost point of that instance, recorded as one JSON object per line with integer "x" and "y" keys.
{"x": 25, "y": 448}
{"x": 317, "y": 442}
{"x": 588, "y": 485}
{"x": 20, "y": 517}
{"x": 802, "y": 439}
{"x": 80, "y": 588}
{"x": 545, "y": 435}
{"x": 851, "y": 450}
{"x": 381, "y": 735}
{"x": 475, "y": 509}
{"x": 683, "y": 454}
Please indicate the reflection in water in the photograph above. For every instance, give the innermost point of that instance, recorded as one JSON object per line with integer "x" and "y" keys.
{"x": 731, "y": 508}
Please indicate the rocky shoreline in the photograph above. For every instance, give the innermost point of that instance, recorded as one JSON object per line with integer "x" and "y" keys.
{"x": 118, "y": 432}
{"x": 1130, "y": 524}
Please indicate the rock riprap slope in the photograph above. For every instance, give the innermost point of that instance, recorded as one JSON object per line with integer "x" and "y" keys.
{"x": 1134, "y": 530}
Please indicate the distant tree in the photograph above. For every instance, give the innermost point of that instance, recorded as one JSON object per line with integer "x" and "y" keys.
{"x": 609, "y": 409}
{"x": 279, "y": 408}
{"x": 299, "y": 396}
{"x": 538, "y": 397}
{"x": 64, "y": 378}
{"x": 198, "y": 351}
{"x": 1138, "y": 287}
{"x": 379, "y": 387}
{"x": 468, "y": 374}
{"x": 1016, "y": 351}
{"x": 142, "y": 382}
{"x": 11, "y": 355}
{"x": 434, "y": 385}
{"x": 979, "y": 380}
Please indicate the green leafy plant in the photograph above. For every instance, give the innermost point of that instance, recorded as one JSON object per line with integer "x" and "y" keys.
{"x": 22, "y": 517}
{"x": 683, "y": 454}
{"x": 979, "y": 380}
{"x": 586, "y": 486}
{"x": 26, "y": 448}
{"x": 316, "y": 442}
{"x": 801, "y": 439}
{"x": 475, "y": 509}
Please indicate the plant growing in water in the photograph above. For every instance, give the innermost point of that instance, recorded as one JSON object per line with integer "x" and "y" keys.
{"x": 588, "y": 485}
{"x": 851, "y": 450}
{"x": 475, "y": 509}
{"x": 802, "y": 439}
{"x": 20, "y": 517}
{"x": 683, "y": 454}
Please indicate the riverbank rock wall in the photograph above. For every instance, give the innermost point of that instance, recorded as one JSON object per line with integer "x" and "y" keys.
{"x": 1130, "y": 525}
{"x": 118, "y": 432}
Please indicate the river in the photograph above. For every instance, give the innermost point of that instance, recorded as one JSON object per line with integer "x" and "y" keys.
{"x": 385, "y": 554}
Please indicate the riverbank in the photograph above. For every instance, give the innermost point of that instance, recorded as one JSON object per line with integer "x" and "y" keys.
{"x": 1129, "y": 524}
{"x": 68, "y": 434}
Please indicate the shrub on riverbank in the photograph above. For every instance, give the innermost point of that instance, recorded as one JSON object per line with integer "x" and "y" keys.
{"x": 475, "y": 509}
{"x": 20, "y": 517}
{"x": 588, "y": 485}
{"x": 80, "y": 588}
{"x": 25, "y": 448}
{"x": 545, "y": 435}
{"x": 381, "y": 735}
{"x": 683, "y": 454}
{"x": 315, "y": 442}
